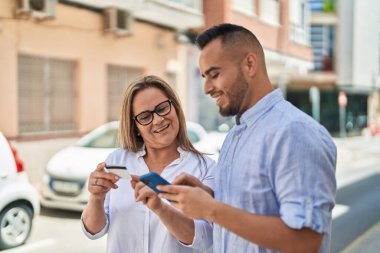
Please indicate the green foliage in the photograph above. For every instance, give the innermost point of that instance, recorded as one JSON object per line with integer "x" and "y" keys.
{"x": 329, "y": 6}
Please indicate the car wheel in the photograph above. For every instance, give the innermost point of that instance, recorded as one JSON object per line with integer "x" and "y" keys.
{"x": 15, "y": 225}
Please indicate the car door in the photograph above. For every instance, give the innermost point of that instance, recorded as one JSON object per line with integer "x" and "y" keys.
{"x": 7, "y": 164}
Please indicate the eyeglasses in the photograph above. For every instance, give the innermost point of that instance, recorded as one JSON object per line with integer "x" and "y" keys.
{"x": 146, "y": 117}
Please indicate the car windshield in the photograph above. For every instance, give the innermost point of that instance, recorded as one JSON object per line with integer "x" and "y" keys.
{"x": 105, "y": 139}
{"x": 106, "y": 136}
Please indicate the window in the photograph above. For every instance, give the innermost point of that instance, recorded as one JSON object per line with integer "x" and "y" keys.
{"x": 269, "y": 12}
{"x": 326, "y": 6}
{"x": 195, "y": 5}
{"x": 118, "y": 80}
{"x": 46, "y": 94}
{"x": 244, "y": 6}
{"x": 322, "y": 42}
{"x": 298, "y": 20}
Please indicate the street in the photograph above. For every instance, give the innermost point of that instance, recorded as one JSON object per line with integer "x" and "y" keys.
{"x": 358, "y": 195}
{"x": 357, "y": 210}
{"x": 363, "y": 200}
{"x": 59, "y": 232}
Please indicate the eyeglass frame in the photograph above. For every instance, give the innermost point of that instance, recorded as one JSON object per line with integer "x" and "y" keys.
{"x": 154, "y": 111}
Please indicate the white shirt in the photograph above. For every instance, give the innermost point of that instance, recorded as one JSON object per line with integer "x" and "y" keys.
{"x": 132, "y": 227}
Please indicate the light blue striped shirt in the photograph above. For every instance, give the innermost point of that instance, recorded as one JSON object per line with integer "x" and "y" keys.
{"x": 278, "y": 161}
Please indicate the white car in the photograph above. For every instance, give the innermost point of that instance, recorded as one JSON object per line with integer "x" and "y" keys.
{"x": 19, "y": 200}
{"x": 67, "y": 172}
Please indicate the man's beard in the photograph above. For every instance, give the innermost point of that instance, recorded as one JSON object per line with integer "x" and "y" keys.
{"x": 235, "y": 97}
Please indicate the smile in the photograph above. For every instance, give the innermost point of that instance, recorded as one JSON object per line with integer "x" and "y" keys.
{"x": 161, "y": 129}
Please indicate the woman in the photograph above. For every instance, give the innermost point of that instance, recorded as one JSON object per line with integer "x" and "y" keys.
{"x": 153, "y": 139}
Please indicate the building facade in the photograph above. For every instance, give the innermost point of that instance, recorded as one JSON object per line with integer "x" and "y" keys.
{"x": 65, "y": 64}
{"x": 282, "y": 28}
{"x": 342, "y": 91}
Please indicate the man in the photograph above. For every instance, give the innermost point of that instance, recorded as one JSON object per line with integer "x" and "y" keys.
{"x": 275, "y": 179}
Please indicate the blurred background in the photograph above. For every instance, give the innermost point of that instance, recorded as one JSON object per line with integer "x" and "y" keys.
{"x": 66, "y": 63}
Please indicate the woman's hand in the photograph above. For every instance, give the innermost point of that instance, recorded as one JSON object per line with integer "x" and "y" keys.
{"x": 100, "y": 182}
{"x": 146, "y": 195}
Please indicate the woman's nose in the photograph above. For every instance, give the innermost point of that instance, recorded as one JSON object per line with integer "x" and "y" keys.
{"x": 157, "y": 118}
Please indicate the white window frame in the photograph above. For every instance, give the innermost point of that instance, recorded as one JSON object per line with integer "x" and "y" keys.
{"x": 246, "y": 7}
{"x": 47, "y": 95}
{"x": 299, "y": 27}
{"x": 270, "y": 12}
{"x": 116, "y": 86}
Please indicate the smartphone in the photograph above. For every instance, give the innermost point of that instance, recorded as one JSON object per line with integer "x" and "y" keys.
{"x": 121, "y": 171}
{"x": 152, "y": 179}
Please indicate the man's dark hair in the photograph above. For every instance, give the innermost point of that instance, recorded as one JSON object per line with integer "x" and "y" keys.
{"x": 229, "y": 34}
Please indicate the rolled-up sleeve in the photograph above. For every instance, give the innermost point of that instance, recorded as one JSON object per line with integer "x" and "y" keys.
{"x": 104, "y": 229}
{"x": 304, "y": 177}
{"x": 94, "y": 236}
{"x": 203, "y": 235}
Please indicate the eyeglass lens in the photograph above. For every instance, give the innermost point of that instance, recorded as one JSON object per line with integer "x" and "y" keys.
{"x": 161, "y": 109}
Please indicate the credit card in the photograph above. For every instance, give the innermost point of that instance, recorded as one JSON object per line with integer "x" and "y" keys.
{"x": 121, "y": 171}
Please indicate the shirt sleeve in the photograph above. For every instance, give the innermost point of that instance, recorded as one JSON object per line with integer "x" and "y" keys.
{"x": 203, "y": 235}
{"x": 104, "y": 230}
{"x": 209, "y": 168}
{"x": 303, "y": 162}
{"x": 203, "y": 229}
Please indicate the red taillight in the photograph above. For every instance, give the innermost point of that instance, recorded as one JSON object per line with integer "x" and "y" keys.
{"x": 19, "y": 163}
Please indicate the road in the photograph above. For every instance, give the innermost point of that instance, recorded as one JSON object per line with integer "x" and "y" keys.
{"x": 59, "y": 232}
{"x": 363, "y": 202}
{"x": 357, "y": 210}
{"x": 358, "y": 195}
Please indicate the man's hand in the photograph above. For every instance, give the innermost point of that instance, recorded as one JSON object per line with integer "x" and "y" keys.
{"x": 194, "y": 202}
{"x": 186, "y": 179}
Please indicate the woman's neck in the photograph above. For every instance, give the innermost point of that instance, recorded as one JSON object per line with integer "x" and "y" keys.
{"x": 159, "y": 158}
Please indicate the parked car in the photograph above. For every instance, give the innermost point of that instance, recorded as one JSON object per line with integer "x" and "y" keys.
{"x": 19, "y": 200}
{"x": 66, "y": 174}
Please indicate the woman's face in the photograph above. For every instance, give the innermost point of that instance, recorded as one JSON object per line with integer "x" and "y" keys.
{"x": 163, "y": 130}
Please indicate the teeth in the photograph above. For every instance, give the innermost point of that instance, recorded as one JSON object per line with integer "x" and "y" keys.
{"x": 161, "y": 129}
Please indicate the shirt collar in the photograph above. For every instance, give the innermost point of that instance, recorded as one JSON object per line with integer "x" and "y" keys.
{"x": 182, "y": 154}
{"x": 250, "y": 116}
{"x": 141, "y": 152}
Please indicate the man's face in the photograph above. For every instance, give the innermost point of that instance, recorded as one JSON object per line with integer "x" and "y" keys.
{"x": 224, "y": 80}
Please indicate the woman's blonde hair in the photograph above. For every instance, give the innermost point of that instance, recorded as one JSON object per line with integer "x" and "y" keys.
{"x": 128, "y": 134}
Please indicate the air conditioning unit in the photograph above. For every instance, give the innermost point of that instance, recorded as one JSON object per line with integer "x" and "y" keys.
{"x": 40, "y": 9}
{"x": 118, "y": 21}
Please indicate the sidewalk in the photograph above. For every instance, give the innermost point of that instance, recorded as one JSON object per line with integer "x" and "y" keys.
{"x": 367, "y": 243}
{"x": 359, "y": 157}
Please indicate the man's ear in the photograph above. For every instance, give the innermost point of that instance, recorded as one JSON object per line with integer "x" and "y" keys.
{"x": 250, "y": 63}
